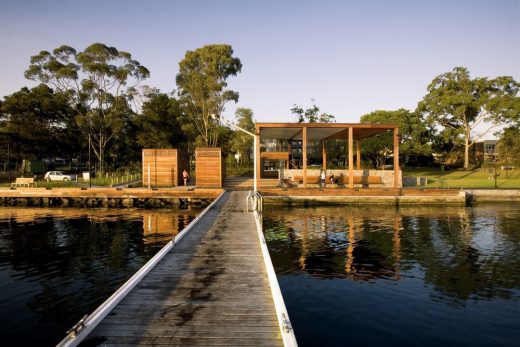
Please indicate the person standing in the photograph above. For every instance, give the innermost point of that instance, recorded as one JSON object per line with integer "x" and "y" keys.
{"x": 185, "y": 177}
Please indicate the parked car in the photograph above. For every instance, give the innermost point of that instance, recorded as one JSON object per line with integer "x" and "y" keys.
{"x": 57, "y": 176}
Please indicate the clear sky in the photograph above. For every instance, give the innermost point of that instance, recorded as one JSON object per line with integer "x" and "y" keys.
{"x": 352, "y": 57}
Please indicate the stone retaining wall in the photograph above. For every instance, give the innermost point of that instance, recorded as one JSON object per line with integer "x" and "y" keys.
{"x": 490, "y": 195}
{"x": 387, "y": 176}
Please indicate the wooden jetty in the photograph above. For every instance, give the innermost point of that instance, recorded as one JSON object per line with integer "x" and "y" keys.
{"x": 214, "y": 285}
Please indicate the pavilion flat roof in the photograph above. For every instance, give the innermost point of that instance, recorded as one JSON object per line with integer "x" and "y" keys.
{"x": 320, "y": 131}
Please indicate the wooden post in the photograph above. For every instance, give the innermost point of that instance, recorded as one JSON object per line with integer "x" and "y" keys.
{"x": 324, "y": 155}
{"x": 351, "y": 157}
{"x": 358, "y": 155}
{"x": 304, "y": 154}
{"x": 258, "y": 159}
{"x": 289, "y": 154}
{"x": 396, "y": 158}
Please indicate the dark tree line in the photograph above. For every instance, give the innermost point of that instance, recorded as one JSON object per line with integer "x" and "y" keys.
{"x": 95, "y": 97}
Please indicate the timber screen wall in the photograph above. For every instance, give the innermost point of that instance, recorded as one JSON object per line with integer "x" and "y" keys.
{"x": 209, "y": 167}
{"x": 162, "y": 167}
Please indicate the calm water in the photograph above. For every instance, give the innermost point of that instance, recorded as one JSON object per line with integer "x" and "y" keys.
{"x": 56, "y": 265}
{"x": 399, "y": 277}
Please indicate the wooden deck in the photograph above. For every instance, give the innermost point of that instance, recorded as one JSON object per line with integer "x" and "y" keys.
{"x": 210, "y": 289}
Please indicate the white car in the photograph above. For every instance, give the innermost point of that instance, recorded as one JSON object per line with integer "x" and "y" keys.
{"x": 57, "y": 176}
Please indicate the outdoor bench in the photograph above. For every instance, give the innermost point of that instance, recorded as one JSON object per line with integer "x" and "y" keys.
{"x": 23, "y": 182}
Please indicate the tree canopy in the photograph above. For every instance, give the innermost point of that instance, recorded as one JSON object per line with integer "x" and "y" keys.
{"x": 508, "y": 146}
{"x": 36, "y": 123}
{"x": 98, "y": 82}
{"x": 311, "y": 114}
{"x": 202, "y": 82}
{"x": 414, "y": 135}
{"x": 241, "y": 142}
{"x": 97, "y": 93}
{"x": 159, "y": 123}
{"x": 457, "y": 104}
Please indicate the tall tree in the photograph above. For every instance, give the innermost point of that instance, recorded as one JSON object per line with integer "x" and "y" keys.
{"x": 414, "y": 135}
{"x": 457, "y": 104}
{"x": 37, "y": 123}
{"x": 202, "y": 82}
{"x": 160, "y": 123}
{"x": 98, "y": 82}
{"x": 241, "y": 142}
{"x": 508, "y": 146}
{"x": 312, "y": 114}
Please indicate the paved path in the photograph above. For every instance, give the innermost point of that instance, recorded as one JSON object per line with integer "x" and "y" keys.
{"x": 210, "y": 289}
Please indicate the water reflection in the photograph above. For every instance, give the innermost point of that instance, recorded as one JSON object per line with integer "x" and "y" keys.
{"x": 379, "y": 276}
{"x": 58, "y": 264}
{"x": 463, "y": 252}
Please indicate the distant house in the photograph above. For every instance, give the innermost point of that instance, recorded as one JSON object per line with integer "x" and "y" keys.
{"x": 485, "y": 151}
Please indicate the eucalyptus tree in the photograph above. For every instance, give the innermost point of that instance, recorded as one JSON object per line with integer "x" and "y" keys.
{"x": 241, "y": 142}
{"x": 98, "y": 83}
{"x": 202, "y": 82}
{"x": 458, "y": 104}
{"x": 160, "y": 122}
{"x": 414, "y": 135}
{"x": 508, "y": 146}
{"x": 35, "y": 122}
{"x": 311, "y": 114}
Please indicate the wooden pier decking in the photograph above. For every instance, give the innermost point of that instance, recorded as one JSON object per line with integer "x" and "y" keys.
{"x": 211, "y": 288}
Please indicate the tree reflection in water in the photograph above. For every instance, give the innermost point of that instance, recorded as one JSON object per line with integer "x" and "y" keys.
{"x": 463, "y": 252}
{"x": 57, "y": 265}
{"x": 412, "y": 276}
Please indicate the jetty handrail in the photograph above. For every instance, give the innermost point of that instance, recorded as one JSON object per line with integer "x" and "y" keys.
{"x": 88, "y": 323}
{"x": 286, "y": 330}
{"x": 256, "y": 201}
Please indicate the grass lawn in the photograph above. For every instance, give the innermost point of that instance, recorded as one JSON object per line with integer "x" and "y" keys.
{"x": 477, "y": 178}
{"x": 97, "y": 182}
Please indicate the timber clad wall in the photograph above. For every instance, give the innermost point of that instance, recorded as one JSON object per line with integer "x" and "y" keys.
{"x": 209, "y": 167}
{"x": 166, "y": 167}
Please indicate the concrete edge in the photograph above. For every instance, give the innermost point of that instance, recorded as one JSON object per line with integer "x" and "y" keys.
{"x": 286, "y": 330}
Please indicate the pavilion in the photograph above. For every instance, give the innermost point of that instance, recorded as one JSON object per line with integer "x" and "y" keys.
{"x": 288, "y": 152}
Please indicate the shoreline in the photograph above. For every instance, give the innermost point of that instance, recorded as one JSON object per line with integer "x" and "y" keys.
{"x": 165, "y": 197}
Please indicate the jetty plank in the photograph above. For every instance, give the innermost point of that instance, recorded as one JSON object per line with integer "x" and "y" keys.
{"x": 210, "y": 289}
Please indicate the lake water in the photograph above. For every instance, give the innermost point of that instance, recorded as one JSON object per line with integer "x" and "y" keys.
{"x": 356, "y": 276}
{"x": 421, "y": 276}
{"x": 57, "y": 265}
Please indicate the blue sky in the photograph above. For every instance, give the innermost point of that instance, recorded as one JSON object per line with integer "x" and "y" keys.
{"x": 352, "y": 57}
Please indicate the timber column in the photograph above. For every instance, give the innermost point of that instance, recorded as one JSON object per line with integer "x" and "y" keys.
{"x": 304, "y": 154}
{"x": 258, "y": 159}
{"x": 396, "y": 159}
{"x": 351, "y": 157}
{"x": 358, "y": 155}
